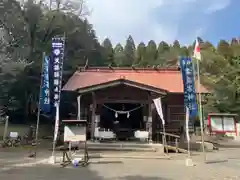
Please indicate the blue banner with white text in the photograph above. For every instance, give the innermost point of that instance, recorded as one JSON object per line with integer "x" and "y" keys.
{"x": 45, "y": 89}
{"x": 190, "y": 98}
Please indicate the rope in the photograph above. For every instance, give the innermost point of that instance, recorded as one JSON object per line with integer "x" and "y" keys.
{"x": 122, "y": 112}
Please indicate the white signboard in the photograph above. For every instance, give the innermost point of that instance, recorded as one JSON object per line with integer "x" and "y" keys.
{"x": 13, "y": 135}
{"x": 229, "y": 124}
{"x": 216, "y": 124}
{"x": 74, "y": 133}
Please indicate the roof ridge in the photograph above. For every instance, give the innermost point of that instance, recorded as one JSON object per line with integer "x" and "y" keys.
{"x": 130, "y": 70}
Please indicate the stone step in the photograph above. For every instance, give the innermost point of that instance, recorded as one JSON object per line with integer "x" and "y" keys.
{"x": 104, "y": 146}
{"x": 97, "y": 148}
{"x": 123, "y": 145}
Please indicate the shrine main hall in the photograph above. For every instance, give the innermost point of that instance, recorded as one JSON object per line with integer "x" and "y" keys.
{"x": 119, "y": 101}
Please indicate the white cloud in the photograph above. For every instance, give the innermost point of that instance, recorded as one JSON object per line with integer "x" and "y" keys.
{"x": 217, "y": 5}
{"x": 153, "y": 19}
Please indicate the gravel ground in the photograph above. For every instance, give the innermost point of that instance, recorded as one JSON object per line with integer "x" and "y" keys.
{"x": 221, "y": 165}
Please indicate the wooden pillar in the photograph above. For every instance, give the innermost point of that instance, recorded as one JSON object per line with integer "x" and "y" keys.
{"x": 79, "y": 107}
{"x": 150, "y": 121}
{"x": 93, "y": 116}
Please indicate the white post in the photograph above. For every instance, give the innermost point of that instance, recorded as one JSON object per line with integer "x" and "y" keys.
{"x": 200, "y": 110}
{"x": 187, "y": 131}
{"x": 5, "y": 128}
{"x": 189, "y": 161}
{"x": 52, "y": 159}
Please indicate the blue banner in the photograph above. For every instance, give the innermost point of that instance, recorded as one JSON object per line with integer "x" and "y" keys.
{"x": 45, "y": 89}
{"x": 190, "y": 98}
{"x": 58, "y": 44}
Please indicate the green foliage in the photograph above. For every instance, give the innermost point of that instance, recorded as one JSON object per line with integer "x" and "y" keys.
{"x": 26, "y": 30}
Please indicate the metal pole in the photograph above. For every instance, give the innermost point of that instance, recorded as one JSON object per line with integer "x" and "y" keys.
{"x": 5, "y": 128}
{"x": 187, "y": 131}
{"x": 200, "y": 110}
{"x": 39, "y": 104}
{"x": 56, "y": 127}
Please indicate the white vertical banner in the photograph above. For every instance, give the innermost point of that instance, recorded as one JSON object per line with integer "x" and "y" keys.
{"x": 158, "y": 104}
{"x": 56, "y": 128}
{"x": 187, "y": 124}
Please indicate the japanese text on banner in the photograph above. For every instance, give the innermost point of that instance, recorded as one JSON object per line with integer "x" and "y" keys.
{"x": 190, "y": 99}
{"x": 57, "y": 55}
{"x": 45, "y": 91}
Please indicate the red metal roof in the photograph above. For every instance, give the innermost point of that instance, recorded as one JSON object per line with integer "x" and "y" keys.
{"x": 167, "y": 79}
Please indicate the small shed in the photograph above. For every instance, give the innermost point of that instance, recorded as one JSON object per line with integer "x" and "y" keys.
{"x": 223, "y": 123}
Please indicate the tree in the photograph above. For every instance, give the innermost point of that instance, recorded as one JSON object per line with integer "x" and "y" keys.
{"x": 163, "y": 51}
{"x": 140, "y": 54}
{"x": 108, "y": 52}
{"x": 129, "y": 52}
{"x": 176, "y": 44}
{"x": 151, "y": 53}
{"x": 29, "y": 32}
{"x": 224, "y": 49}
{"x": 119, "y": 55}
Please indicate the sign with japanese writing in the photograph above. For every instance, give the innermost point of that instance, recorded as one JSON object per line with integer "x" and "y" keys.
{"x": 45, "y": 91}
{"x": 57, "y": 63}
{"x": 190, "y": 99}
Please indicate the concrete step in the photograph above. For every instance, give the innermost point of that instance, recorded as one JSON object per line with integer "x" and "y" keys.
{"x": 118, "y": 146}
{"x": 121, "y": 145}
{"x": 96, "y": 148}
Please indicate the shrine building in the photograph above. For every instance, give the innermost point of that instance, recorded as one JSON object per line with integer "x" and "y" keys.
{"x": 120, "y": 100}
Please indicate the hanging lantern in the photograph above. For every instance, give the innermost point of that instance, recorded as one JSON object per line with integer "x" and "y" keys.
{"x": 128, "y": 115}
{"x": 116, "y": 114}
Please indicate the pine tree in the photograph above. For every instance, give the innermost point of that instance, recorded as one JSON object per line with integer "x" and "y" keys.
{"x": 108, "y": 52}
{"x": 224, "y": 49}
{"x": 162, "y": 56}
{"x": 151, "y": 53}
{"x": 140, "y": 54}
{"x": 129, "y": 52}
{"x": 176, "y": 44}
{"x": 119, "y": 55}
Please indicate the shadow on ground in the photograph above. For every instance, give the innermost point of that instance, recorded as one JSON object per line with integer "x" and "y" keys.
{"x": 216, "y": 161}
{"x": 50, "y": 173}
{"x": 142, "y": 178}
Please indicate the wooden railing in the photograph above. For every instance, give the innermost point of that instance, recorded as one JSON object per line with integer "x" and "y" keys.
{"x": 170, "y": 140}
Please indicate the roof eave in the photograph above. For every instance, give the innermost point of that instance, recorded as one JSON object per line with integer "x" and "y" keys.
{"x": 119, "y": 82}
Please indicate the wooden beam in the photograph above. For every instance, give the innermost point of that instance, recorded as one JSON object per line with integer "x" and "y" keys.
{"x": 93, "y": 115}
{"x": 101, "y": 101}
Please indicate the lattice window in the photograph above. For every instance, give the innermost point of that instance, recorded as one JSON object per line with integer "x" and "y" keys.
{"x": 176, "y": 113}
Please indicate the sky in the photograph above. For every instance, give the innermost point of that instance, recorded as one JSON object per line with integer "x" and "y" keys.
{"x": 165, "y": 20}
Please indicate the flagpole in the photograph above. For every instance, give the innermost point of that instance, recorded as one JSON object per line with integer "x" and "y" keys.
{"x": 56, "y": 128}
{"x": 57, "y": 119}
{"x": 187, "y": 131}
{"x": 200, "y": 110}
{"x": 39, "y": 105}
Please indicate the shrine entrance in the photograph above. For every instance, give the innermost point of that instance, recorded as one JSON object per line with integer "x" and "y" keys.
{"x": 123, "y": 119}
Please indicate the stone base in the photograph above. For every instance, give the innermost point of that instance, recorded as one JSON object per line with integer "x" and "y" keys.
{"x": 52, "y": 160}
{"x": 189, "y": 162}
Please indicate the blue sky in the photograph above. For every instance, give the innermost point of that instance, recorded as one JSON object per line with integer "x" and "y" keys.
{"x": 166, "y": 20}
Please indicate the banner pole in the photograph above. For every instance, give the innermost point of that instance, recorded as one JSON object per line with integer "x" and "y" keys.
{"x": 200, "y": 110}
{"x": 57, "y": 100}
{"x": 187, "y": 132}
{"x": 164, "y": 139}
{"x": 39, "y": 106}
{"x": 56, "y": 127}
